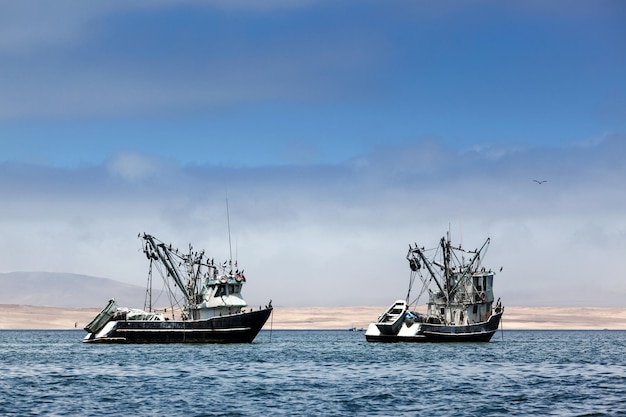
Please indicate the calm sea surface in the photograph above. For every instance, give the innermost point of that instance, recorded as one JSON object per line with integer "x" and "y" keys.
{"x": 315, "y": 373}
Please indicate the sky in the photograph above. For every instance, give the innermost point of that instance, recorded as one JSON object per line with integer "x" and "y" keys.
{"x": 338, "y": 132}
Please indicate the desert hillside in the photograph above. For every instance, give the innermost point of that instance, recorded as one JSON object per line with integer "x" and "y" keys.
{"x": 57, "y": 289}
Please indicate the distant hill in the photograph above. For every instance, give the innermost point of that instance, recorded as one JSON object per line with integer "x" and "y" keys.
{"x": 52, "y": 289}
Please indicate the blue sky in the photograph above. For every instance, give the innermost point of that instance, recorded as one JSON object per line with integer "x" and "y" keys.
{"x": 341, "y": 132}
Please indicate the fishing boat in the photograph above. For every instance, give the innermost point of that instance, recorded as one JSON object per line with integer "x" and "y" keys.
{"x": 205, "y": 295}
{"x": 461, "y": 305}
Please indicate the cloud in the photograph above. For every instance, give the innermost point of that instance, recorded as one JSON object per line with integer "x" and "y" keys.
{"x": 76, "y": 61}
{"x": 336, "y": 235}
{"x": 31, "y": 25}
{"x": 132, "y": 166}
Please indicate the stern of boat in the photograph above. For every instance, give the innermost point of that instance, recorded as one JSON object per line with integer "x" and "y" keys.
{"x": 408, "y": 330}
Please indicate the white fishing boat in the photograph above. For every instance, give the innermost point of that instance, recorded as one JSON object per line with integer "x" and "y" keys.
{"x": 461, "y": 305}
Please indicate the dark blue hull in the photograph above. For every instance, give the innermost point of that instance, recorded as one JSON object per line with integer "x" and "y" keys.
{"x": 236, "y": 328}
{"x": 479, "y": 332}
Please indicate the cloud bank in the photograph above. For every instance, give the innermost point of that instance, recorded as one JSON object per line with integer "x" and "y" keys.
{"x": 337, "y": 234}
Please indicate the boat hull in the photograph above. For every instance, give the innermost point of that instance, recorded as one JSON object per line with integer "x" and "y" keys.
{"x": 427, "y": 332}
{"x": 390, "y": 322}
{"x": 235, "y": 328}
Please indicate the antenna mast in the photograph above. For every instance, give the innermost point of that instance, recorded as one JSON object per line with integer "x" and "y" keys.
{"x": 230, "y": 247}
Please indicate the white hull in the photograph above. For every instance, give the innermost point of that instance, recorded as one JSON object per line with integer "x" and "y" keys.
{"x": 411, "y": 331}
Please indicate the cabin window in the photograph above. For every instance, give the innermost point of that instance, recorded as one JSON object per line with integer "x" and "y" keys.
{"x": 231, "y": 288}
{"x": 475, "y": 309}
{"x": 443, "y": 311}
{"x": 221, "y": 291}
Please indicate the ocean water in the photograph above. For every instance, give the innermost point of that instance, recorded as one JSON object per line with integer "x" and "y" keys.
{"x": 328, "y": 373}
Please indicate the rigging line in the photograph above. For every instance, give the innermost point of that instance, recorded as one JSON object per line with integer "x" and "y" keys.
{"x": 165, "y": 257}
{"x": 156, "y": 300}
{"x": 170, "y": 293}
{"x": 425, "y": 284}
{"x": 469, "y": 266}
{"x": 158, "y": 297}
{"x": 414, "y": 274}
{"x": 411, "y": 281}
{"x": 456, "y": 258}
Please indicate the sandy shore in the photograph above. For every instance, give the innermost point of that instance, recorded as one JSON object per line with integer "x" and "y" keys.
{"x": 518, "y": 318}
{"x": 567, "y": 318}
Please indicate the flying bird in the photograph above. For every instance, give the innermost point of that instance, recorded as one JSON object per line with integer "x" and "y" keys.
{"x": 540, "y": 182}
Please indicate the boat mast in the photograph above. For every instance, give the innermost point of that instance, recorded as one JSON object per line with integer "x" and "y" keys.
{"x": 230, "y": 246}
{"x": 468, "y": 268}
{"x": 165, "y": 258}
{"x": 428, "y": 266}
{"x": 445, "y": 246}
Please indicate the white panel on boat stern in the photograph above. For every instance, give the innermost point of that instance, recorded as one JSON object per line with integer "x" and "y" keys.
{"x": 109, "y": 327}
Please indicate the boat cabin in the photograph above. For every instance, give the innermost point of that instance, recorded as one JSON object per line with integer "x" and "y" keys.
{"x": 470, "y": 299}
{"x": 221, "y": 295}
